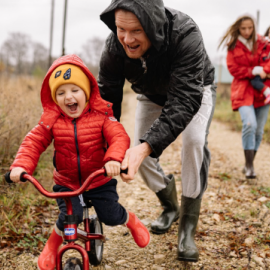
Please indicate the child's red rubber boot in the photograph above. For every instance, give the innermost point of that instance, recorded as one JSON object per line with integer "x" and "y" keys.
{"x": 47, "y": 258}
{"x": 139, "y": 232}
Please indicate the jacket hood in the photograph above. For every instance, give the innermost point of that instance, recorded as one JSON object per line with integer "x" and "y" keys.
{"x": 52, "y": 111}
{"x": 151, "y": 14}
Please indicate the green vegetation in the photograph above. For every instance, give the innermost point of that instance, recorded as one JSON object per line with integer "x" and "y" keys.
{"x": 261, "y": 191}
{"x": 224, "y": 113}
{"x": 22, "y": 208}
{"x": 224, "y": 176}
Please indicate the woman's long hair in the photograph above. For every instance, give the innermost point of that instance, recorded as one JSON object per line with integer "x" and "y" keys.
{"x": 267, "y": 32}
{"x": 233, "y": 32}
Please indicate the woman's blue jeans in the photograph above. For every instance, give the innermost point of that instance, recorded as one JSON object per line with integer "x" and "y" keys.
{"x": 253, "y": 121}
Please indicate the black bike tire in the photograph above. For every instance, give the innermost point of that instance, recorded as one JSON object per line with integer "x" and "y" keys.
{"x": 93, "y": 258}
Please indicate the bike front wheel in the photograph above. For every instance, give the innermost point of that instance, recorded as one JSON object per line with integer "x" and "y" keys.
{"x": 96, "y": 253}
{"x": 73, "y": 264}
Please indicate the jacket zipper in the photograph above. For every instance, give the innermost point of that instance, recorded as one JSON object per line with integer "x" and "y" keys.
{"x": 144, "y": 64}
{"x": 77, "y": 148}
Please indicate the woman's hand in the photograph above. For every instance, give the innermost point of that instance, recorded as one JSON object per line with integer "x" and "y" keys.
{"x": 112, "y": 168}
{"x": 263, "y": 75}
{"x": 258, "y": 70}
{"x": 16, "y": 173}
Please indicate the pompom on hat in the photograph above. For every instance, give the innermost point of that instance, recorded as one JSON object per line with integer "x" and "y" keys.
{"x": 69, "y": 74}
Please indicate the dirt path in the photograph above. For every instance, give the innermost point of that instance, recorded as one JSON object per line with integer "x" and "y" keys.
{"x": 233, "y": 229}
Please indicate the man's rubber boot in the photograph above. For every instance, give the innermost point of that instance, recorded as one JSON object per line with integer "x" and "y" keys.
{"x": 189, "y": 215}
{"x": 249, "y": 156}
{"x": 139, "y": 232}
{"x": 47, "y": 258}
{"x": 171, "y": 209}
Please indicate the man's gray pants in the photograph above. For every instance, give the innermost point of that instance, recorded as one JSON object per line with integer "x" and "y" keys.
{"x": 195, "y": 153}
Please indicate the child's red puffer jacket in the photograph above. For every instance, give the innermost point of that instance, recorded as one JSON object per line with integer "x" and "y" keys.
{"x": 240, "y": 62}
{"x": 80, "y": 144}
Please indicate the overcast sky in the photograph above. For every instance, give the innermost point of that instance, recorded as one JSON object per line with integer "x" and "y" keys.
{"x": 32, "y": 17}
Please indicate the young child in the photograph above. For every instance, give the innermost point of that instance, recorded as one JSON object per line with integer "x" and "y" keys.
{"x": 257, "y": 82}
{"x": 81, "y": 124}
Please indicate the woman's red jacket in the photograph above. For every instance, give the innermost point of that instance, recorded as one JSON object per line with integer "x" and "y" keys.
{"x": 80, "y": 144}
{"x": 240, "y": 62}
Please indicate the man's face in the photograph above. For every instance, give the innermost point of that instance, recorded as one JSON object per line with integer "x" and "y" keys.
{"x": 131, "y": 35}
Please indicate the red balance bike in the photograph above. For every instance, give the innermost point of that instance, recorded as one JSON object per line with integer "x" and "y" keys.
{"x": 92, "y": 235}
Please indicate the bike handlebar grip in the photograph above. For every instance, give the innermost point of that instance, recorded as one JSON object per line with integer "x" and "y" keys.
{"x": 7, "y": 178}
{"x": 124, "y": 171}
{"x": 121, "y": 171}
{"x": 21, "y": 177}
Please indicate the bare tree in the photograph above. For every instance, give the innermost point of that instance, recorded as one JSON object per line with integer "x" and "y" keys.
{"x": 16, "y": 49}
{"x": 91, "y": 53}
{"x": 40, "y": 57}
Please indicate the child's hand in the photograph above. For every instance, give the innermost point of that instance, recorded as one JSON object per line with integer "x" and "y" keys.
{"x": 112, "y": 168}
{"x": 16, "y": 173}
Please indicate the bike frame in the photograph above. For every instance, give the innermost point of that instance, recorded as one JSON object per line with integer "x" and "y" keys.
{"x": 73, "y": 233}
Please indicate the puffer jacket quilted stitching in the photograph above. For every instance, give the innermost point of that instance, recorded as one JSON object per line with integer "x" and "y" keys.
{"x": 79, "y": 143}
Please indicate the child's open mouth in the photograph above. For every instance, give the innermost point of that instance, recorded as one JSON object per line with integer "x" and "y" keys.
{"x": 72, "y": 107}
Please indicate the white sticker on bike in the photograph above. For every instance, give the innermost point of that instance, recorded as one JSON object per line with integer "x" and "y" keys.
{"x": 69, "y": 231}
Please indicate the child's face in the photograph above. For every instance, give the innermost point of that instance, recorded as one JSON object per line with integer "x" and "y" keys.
{"x": 71, "y": 99}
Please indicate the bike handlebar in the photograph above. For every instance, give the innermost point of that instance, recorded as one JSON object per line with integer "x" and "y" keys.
{"x": 67, "y": 194}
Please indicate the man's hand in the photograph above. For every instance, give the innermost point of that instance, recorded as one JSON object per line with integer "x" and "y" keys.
{"x": 112, "y": 168}
{"x": 16, "y": 173}
{"x": 133, "y": 159}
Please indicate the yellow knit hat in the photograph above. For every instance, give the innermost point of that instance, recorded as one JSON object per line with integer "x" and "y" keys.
{"x": 66, "y": 74}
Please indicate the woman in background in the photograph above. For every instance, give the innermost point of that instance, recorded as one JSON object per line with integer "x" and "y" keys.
{"x": 247, "y": 59}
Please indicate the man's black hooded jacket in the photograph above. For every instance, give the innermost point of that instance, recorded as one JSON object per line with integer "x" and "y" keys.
{"x": 177, "y": 68}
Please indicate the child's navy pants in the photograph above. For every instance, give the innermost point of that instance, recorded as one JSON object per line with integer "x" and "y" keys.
{"x": 104, "y": 200}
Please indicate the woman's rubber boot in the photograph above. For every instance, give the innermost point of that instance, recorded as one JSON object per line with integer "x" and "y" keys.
{"x": 171, "y": 209}
{"x": 189, "y": 215}
{"x": 139, "y": 232}
{"x": 47, "y": 258}
{"x": 249, "y": 156}
{"x": 245, "y": 169}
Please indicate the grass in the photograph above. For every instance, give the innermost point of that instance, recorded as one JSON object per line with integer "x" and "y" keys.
{"x": 20, "y": 205}
{"x": 224, "y": 113}
{"x": 20, "y": 110}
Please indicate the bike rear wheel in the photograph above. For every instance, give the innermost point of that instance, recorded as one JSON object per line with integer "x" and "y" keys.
{"x": 96, "y": 252}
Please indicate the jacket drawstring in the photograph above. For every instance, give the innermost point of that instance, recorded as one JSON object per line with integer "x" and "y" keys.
{"x": 144, "y": 64}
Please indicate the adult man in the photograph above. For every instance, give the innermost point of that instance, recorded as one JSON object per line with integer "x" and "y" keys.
{"x": 161, "y": 52}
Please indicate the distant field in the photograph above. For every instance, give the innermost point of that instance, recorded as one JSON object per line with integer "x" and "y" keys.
{"x": 20, "y": 111}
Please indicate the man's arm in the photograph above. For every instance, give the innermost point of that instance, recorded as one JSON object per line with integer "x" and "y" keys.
{"x": 184, "y": 92}
{"x": 184, "y": 100}
{"x": 111, "y": 78}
